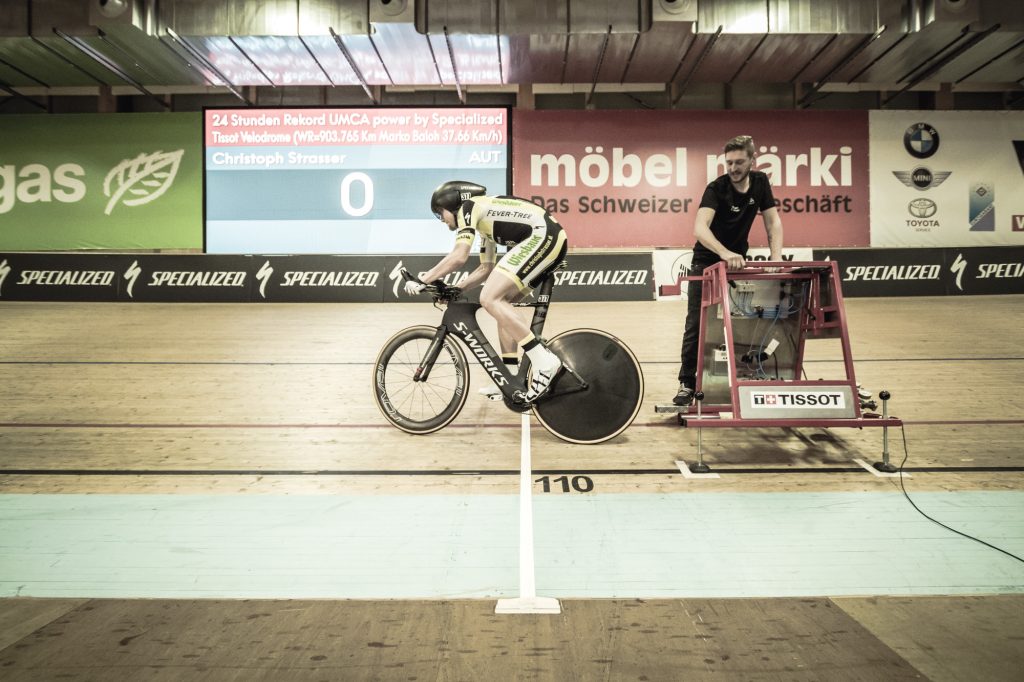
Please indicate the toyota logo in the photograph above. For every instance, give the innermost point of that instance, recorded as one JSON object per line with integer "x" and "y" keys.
{"x": 922, "y": 208}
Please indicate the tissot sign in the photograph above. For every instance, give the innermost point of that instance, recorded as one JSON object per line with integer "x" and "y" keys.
{"x": 635, "y": 179}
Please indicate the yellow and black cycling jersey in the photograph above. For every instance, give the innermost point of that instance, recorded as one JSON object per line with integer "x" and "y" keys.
{"x": 499, "y": 220}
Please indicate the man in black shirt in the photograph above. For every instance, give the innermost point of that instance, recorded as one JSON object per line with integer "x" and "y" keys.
{"x": 727, "y": 210}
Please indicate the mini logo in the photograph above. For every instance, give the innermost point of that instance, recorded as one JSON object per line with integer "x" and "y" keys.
{"x": 264, "y": 276}
{"x": 921, "y": 140}
{"x": 132, "y": 274}
{"x": 958, "y": 266}
{"x": 5, "y": 270}
{"x": 922, "y": 178}
{"x": 922, "y": 208}
{"x": 141, "y": 180}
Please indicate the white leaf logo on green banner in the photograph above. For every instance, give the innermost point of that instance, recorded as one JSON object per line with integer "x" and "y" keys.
{"x": 141, "y": 179}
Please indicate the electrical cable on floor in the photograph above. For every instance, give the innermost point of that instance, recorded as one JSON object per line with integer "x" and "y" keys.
{"x": 906, "y": 453}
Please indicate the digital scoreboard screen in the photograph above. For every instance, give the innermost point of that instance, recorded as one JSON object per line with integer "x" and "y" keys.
{"x": 341, "y": 180}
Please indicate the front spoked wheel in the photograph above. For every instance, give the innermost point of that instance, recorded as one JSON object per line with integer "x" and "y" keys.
{"x": 420, "y": 407}
{"x": 611, "y": 397}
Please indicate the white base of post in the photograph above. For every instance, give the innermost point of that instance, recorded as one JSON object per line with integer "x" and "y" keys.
{"x": 527, "y": 601}
{"x": 528, "y": 605}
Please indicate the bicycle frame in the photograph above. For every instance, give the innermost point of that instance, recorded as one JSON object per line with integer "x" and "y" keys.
{"x": 460, "y": 318}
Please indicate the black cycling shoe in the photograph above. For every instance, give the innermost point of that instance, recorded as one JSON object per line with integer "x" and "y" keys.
{"x": 684, "y": 396}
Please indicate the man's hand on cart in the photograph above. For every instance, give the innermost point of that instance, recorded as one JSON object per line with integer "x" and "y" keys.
{"x": 734, "y": 261}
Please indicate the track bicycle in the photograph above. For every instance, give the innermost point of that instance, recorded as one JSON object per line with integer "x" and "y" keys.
{"x": 421, "y": 376}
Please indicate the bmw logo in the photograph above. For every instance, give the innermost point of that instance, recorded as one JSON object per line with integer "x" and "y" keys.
{"x": 921, "y": 140}
{"x": 922, "y": 208}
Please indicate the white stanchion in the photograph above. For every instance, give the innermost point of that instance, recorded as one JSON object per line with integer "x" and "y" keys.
{"x": 527, "y": 601}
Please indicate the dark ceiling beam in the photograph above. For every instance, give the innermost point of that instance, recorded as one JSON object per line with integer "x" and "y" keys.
{"x": 964, "y": 47}
{"x": 597, "y": 67}
{"x": 351, "y": 62}
{"x": 200, "y": 59}
{"x": 455, "y": 69}
{"x": 6, "y": 87}
{"x": 1017, "y": 45}
{"x": 843, "y": 63}
{"x": 749, "y": 57}
{"x": 64, "y": 59}
{"x": 878, "y": 58}
{"x": 317, "y": 61}
{"x": 252, "y": 61}
{"x": 135, "y": 62}
{"x": 814, "y": 57}
{"x": 910, "y": 75}
{"x": 629, "y": 59}
{"x": 27, "y": 75}
{"x": 109, "y": 64}
{"x": 696, "y": 65}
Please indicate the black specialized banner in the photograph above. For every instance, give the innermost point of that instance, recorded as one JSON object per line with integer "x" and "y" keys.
{"x": 60, "y": 277}
{"x": 929, "y": 272}
{"x": 372, "y": 279}
{"x": 326, "y": 279}
{"x": 188, "y": 279}
{"x": 304, "y": 278}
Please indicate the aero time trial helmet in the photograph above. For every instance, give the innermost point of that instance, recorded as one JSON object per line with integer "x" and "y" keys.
{"x": 451, "y": 194}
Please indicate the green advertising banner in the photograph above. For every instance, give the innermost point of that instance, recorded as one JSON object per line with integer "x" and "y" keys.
{"x": 101, "y": 181}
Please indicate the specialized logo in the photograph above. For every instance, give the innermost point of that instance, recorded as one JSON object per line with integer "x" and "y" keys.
{"x": 396, "y": 277}
{"x": 602, "y": 277}
{"x": 5, "y": 270}
{"x": 880, "y": 273}
{"x": 981, "y": 206}
{"x": 921, "y": 140}
{"x": 330, "y": 278}
{"x": 191, "y": 278}
{"x": 138, "y": 181}
{"x": 132, "y": 274}
{"x": 922, "y": 178}
{"x": 67, "y": 278}
{"x": 794, "y": 399}
{"x": 263, "y": 276}
{"x": 481, "y": 353}
{"x": 958, "y": 267}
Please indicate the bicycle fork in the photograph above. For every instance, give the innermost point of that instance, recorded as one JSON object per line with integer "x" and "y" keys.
{"x": 422, "y": 372}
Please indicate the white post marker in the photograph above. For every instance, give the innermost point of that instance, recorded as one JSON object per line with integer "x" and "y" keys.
{"x": 527, "y": 601}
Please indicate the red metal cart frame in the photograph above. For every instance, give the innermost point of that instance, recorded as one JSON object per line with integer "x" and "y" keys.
{"x": 816, "y": 311}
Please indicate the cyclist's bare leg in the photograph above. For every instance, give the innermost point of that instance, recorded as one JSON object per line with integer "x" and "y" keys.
{"x": 496, "y": 298}
{"x": 498, "y": 292}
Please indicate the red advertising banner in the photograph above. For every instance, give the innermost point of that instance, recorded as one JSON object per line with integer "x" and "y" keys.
{"x": 635, "y": 178}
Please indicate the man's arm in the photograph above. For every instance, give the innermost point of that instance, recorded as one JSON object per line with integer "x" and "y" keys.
{"x": 773, "y": 226}
{"x": 702, "y": 232}
{"x": 450, "y": 263}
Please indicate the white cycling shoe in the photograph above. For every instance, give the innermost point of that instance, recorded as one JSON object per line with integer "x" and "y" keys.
{"x": 491, "y": 392}
{"x": 541, "y": 381}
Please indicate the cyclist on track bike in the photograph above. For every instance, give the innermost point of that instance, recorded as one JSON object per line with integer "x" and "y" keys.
{"x": 536, "y": 245}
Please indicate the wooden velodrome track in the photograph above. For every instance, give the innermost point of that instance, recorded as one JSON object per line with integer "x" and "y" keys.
{"x": 274, "y": 400}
